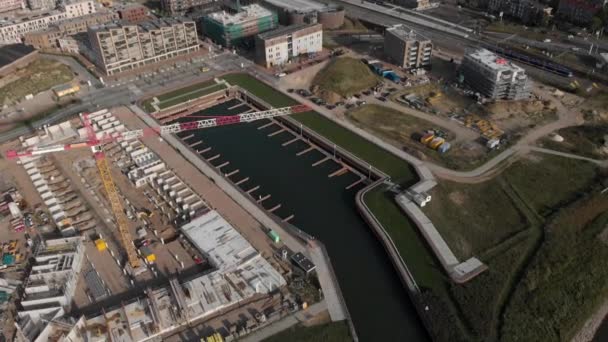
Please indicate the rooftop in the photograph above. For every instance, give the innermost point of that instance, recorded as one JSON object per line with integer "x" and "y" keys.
{"x": 248, "y": 13}
{"x": 406, "y": 33}
{"x": 298, "y": 5}
{"x": 149, "y": 25}
{"x": 286, "y": 30}
{"x": 11, "y": 53}
{"x": 493, "y": 61}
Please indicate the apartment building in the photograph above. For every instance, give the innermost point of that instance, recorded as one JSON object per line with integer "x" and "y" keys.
{"x": 230, "y": 28}
{"x": 494, "y": 77}
{"x": 180, "y": 6}
{"x": 42, "y": 5}
{"x": 11, "y": 5}
{"x": 580, "y": 11}
{"x": 133, "y": 13}
{"x": 406, "y": 48}
{"x": 12, "y": 31}
{"x": 279, "y": 46}
{"x": 527, "y": 11}
{"x": 120, "y": 47}
{"x": 48, "y": 39}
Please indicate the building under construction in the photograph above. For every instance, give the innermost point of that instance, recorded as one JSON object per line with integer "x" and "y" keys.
{"x": 240, "y": 273}
{"x": 232, "y": 28}
{"x": 494, "y": 77}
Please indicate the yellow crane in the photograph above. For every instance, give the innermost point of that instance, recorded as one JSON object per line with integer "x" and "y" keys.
{"x": 96, "y": 143}
{"x": 117, "y": 208}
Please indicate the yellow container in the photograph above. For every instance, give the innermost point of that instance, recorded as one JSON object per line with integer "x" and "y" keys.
{"x": 101, "y": 245}
{"x": 151, "y": 258}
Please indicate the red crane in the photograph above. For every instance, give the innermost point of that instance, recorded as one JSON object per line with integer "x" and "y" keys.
{"x": 95, "y": 140}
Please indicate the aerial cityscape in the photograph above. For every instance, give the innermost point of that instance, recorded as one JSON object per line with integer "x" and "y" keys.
{"x": 303, "y": 170}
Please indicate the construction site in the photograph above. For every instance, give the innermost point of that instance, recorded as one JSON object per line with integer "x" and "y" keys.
{"x": 137, "y": 232}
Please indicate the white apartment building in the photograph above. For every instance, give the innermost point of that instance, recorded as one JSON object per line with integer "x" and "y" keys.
{"x": 11, "y": 5}
{"x": 122, "y": 47}
{"x": 279, "y": 46}
{"x": 12, "y": 31}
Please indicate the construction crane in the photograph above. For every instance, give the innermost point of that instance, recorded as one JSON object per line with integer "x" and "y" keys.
{"x": 96, "y": 144}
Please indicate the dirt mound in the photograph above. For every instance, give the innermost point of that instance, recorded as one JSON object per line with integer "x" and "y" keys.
{"x": 328, "y": 96}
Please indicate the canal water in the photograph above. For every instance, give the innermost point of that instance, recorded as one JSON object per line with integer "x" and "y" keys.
{"x": 377, "y": 301}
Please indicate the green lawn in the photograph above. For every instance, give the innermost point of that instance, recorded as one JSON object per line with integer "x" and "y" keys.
{"x": 345, "y": 76}
{"x": 42, "y": 74}
{"x": 329, "y": 332}
{"x": 183, "y": 95}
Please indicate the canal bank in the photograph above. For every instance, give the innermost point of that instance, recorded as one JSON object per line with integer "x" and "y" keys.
{"x": 324, "y": 208}
{"x": 375, "y": 179}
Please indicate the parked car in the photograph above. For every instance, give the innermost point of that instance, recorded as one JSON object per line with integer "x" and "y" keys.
{"x": 382, "y": 98}
{"x": 290, "y": 90}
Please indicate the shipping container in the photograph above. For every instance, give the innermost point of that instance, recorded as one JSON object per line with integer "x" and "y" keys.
{"x": 274, "y": 236}
{"x": 147, "y": 253}
{"x": 443, "y": 148}
{"x": 436, "y": 142}
{"x": 427, "y": 138}
{"x": 101, "y": 245}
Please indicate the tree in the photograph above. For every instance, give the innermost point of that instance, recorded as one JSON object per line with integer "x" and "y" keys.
{"x": 596, "y": 24}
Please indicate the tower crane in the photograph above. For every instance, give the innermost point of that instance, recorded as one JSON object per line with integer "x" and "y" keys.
{"x": 96, "y": 143}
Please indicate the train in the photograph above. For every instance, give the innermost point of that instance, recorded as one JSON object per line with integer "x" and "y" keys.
{"x": 551, "y": 67}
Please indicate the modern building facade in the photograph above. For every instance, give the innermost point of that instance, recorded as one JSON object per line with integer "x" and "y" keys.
{"x": 49, "y": 38}
{"x": 527, "y": 11}
{"x": 229, "y": 29}
{"x": 11, "y": 5}
{"x": 13, "y": 31}
{"x": 180, "y": 6}
{"x": 406, "y": 48}
{"x": 296, "y": 12}
{"x": 494, "y": 77}
{"x": 120, "y": 47}
{"x": 580, "y": 11}
{"x": 279, "y": 46}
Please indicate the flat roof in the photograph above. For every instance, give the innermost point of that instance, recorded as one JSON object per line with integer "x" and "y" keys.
{"x": 11, "y": 53}
{"x": 298, "y": 5}
{"x": 303, "y": 262}
{"x": 148, "y": 25}
{"x": 285, "y": 30}
{"x": 406, "y": 33}
{"x": 247, "y": 13}
{"x": 493, "y": 61}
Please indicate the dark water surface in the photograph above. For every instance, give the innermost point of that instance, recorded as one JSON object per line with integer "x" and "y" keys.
{"x": 378, "y": 303}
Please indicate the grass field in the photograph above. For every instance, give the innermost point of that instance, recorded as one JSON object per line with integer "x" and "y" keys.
{"x": 42, "y": 74}
{"x": 585, "y": 140}
{"x": 567, "y": 279}
{"x": 547, "y": 182}
{"x": 345, "y": 76}
{"x": 183, "y": 95}
{"x": 473, "y": 217}
{"x": 329, "y": 332}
